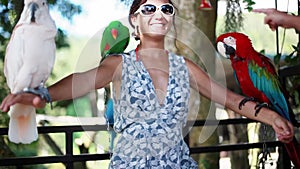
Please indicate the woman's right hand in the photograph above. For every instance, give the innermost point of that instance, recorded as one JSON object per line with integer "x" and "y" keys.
{"x": 23, "y": 98}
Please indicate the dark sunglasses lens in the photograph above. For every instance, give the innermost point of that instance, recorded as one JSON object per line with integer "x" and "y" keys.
{"x": 167, "y": 9}
{"x": 148, "y": 9}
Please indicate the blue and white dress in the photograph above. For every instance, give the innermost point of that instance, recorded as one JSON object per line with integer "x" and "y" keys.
{"x": 151, "y": 132}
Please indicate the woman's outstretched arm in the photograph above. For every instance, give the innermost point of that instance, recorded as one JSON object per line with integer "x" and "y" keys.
{"x": 72, "y": 86}
{"x": 212, "y": 90}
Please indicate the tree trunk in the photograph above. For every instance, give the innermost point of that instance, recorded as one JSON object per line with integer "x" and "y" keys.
{"x": 195, "y": 32}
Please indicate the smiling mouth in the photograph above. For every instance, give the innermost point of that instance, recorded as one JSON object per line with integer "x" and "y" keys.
{"x": 158, "y": 24}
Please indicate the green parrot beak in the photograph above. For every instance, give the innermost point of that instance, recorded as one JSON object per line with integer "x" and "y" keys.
{"x": 114, "y": 33}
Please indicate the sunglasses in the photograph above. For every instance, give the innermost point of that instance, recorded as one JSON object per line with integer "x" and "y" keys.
{"x": 149, "y": 9}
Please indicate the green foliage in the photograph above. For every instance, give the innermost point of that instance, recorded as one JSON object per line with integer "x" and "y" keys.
{"x": 249, "y": 5}
{"x": 24, "y": 149}
{"x": 293, "y": 82}
{"x": 60, "y": 39}
{"x": 3, "y": 92}
{"x": 277, "y": 58}
{"x": 81, "y": 107}
{"x": 293, "y": 58}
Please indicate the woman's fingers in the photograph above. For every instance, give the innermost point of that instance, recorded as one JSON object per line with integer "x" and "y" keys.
{"x": 23, "y": 98}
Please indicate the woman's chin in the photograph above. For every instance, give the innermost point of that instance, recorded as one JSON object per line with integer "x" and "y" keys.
{"x": 155, "y": 35}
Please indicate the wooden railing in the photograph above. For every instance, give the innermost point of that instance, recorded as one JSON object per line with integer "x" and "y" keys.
{"x": 69, "y": 158}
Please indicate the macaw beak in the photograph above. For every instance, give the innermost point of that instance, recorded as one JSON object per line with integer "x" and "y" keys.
{"x": 114, "y": 33}
{"x": 225, "y": 50}
{"x": 229, "y": 49}
{"x": 33, "y": 7}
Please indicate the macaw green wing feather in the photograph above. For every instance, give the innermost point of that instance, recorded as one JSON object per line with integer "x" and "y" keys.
{"x": 269, "y": 84}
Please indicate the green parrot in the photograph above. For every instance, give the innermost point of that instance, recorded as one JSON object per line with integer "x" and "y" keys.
{"x": 115, "y": 39}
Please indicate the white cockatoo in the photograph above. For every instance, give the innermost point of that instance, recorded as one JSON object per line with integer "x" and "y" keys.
{"x": 29, "y": 60}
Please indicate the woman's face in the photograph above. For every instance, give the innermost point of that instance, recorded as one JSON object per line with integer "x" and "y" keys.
{"x": 154, "y": 24}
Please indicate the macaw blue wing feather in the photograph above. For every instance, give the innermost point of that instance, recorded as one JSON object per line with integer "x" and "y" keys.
{"x": 269, "y": 84}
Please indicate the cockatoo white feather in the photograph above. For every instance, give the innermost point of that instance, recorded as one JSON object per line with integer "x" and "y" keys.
{"x": 29, "y": 60}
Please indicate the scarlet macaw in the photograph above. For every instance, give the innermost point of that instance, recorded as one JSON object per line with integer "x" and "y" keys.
{"x": 258, "y": 79}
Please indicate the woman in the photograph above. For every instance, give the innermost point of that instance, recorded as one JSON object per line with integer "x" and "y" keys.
{"x": 151, "y": 94}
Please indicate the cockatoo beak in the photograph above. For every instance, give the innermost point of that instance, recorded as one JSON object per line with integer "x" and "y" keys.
{"x": 33, "y": 7}
{"x": 114, "y": 33}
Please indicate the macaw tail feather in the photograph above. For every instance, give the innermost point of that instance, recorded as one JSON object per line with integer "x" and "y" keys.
{"x": 22, "y": 124}
{"x": 293, "y": 150}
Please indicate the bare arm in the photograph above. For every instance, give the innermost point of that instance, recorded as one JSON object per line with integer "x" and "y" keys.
{"x": 72, "y": 86}
{"x": 79, "y": 84}
{"x": 212, "y": 90}
{"x": 275, "y": 18}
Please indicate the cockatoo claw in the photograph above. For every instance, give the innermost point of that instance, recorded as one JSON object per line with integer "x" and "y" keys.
{"x": 40, "y": 91}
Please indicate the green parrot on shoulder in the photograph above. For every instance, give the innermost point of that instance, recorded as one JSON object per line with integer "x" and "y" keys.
{"x": 115, "y": 39}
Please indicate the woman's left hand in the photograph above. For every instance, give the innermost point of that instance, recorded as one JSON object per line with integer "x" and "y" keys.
{"x": 284, "y": 129}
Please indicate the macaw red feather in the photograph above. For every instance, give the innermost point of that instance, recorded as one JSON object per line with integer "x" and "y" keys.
{"x": 255, "y": 72}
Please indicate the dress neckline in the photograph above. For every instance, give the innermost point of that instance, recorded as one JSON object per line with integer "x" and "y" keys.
{"x": 162, "y": 102}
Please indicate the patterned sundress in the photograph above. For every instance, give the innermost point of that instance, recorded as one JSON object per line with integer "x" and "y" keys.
{"x": 151, "y": 132}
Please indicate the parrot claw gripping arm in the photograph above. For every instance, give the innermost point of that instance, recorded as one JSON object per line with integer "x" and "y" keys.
{"x": 244, "y": 101}
{"x": 257, "y": 107}
{"x": 40, "y": 91}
